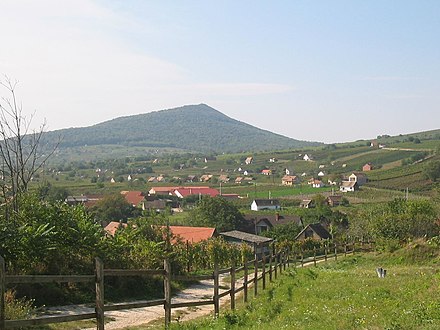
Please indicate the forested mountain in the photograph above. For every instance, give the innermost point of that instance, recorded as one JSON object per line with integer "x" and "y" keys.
{"x": 191, "y": 127}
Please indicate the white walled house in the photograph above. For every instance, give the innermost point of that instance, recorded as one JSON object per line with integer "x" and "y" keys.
{"x": 265, "y": 204}
{"x": 359, "y": 178}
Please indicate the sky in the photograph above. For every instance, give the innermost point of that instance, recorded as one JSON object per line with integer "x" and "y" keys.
{"x": 328, "y": 71}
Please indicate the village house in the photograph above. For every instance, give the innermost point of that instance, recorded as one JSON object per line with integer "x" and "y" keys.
{"x": 307, "y": 158}
{"x": 205, "y": 177}
{"x": 314, "y": 231}
{"x": 134, "y": 198}
{"x": 191, "y": 178}
{"x": 191, "y": 234}
{"x": 238, "y": 179}
{"x": 266, "y": 172}
{"x": 248, "y": 160}
{"x": 188, "y": 191}
{"x": 359, "y": 178}
{"x": 334, "y": 200}
{"x": 162, "y": 190}
{"x": 289, "y": 180}
{"x": 348, "y": 186}
{"x": 367, "y": 167}
{"x": 223, "y": 178}
{"x": 257, "y": 224}
{"x": 273, "y": 160}
{"x": 321, "y": 173}
{"x": 315, "y": 183}
{"x": 157, "y": 205}
{"x": 265, "y": 204}
{"x": 288, "y": 171}
{"x": 86, "y": 200}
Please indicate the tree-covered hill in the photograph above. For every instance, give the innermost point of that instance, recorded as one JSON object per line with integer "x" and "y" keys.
{"x": 191, "y": 127}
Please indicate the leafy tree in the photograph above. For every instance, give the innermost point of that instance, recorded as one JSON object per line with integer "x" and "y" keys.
{"x": 216, "y": 212}
{"x": 112, "y": 208}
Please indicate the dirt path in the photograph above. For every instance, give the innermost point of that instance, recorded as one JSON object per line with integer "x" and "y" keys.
{"x": 204, "y": 290}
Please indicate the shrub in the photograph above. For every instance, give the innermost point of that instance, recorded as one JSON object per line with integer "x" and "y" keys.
{"x": 18, "y": 309}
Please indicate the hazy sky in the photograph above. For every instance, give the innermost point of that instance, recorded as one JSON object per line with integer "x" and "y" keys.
{"x": 329, "y": 71}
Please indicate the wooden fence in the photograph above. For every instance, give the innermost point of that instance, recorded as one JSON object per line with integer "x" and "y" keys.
{"x": 269, "y": 265}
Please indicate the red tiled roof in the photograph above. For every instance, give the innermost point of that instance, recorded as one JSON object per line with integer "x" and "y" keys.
{"x": 192, "y": 234}
{"x": 187, "y": 191}
{"x": 113, "y": 226}
{"x": 133, "y": 197}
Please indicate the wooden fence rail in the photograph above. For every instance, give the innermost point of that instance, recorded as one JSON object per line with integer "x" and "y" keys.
{"x": 270, "y": 265}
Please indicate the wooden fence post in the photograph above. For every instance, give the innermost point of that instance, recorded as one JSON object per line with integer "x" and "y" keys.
{"x": 216, "y": 291}
{"x": 233, "y": 285}
{"x": 275, "y": 268}
{"x": 280, "y": 261}
{"x": 99, "y": 285}
{"x": 2, "y": 292}
{"x": 302, "y": 258}
{"x": 325, "y": 252}
{"x": 270, "y": 265}
{"x": 263, "y": 269}
{"x": 167, "y": 292}
{"x": 255, "y": 276}
{"x": 285, "y": 258}
{"x": 336, "y": 252}
{"x": 245, "y": 281}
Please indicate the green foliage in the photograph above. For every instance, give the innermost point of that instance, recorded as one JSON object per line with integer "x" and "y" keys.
{"x": 396, "y": 221}
{"x": 112, "y": 208}
{"x": 216, "y": 212}
{"x": 432, "y": 170}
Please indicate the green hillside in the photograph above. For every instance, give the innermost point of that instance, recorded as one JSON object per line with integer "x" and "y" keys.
{"x": 192, "y": 128}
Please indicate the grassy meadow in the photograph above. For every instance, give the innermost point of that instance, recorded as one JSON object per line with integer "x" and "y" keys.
{"x": 346, "y": 294}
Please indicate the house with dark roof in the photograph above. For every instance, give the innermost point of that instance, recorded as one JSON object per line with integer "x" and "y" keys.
{"x": 265, "y": 204}
{"x": 359, "y": 178}
{"x": 257, "y": 223}
{"x": 157, "y": 205}
{"x": 314, "y": 231}
{"x": 259, "y": 244}
{"x": 334, "y": 200}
